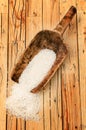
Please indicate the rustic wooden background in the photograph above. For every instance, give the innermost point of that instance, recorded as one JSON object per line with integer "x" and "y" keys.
{"x": 63, "y": 104}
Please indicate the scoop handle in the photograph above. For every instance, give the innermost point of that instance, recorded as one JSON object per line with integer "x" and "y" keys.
{"x": 61, "y": 27}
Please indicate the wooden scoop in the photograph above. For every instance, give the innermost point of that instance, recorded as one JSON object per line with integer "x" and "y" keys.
{"x": 45, "y": 39}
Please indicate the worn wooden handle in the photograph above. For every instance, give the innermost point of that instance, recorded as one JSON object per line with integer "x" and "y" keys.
{"x": 61, "y": 27}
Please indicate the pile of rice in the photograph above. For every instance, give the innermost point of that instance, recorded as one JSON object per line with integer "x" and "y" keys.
{"x": 22, "y": 103}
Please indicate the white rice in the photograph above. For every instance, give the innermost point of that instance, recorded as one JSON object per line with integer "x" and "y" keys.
{"x": 22, "y": 102}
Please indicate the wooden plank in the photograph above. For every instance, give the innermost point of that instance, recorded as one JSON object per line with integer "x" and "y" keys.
{"x": 3, "y": 69}
{"x": 3, "y": 63}
{"x": 52, "y": 93}
{"x": 81, "y": 21}
{"x": 16, "y": 39}
{"x": 59, "y": 101}
{"x": 33, "y": 26}
{"x": 56, "y": 108}
{"x": 70, "y": 75}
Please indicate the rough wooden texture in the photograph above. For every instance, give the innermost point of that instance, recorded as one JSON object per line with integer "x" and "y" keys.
{"x": 3, "y": 69}
{"x": 81, "y": 28}
{"x": 16, "y": 44}
{"x": 70, "y": 77}
{"x": 63, "y": 103}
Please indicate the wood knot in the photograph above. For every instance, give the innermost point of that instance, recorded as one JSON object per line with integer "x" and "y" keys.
{"x": 35, "y": 14}
{"x": 76, "y": 127}
{"x": 55, "y": 100}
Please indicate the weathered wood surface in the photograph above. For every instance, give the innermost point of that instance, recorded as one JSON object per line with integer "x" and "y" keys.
{"x": 63, "y": 103}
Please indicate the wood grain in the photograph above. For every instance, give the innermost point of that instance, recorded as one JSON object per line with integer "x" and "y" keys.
{"x": 70, "y": 77}
{"x": 81, "y": 26}
{"x": 60, "y": 108}
{"x": 16, "y": 40}
{"x": 3, "y": 69}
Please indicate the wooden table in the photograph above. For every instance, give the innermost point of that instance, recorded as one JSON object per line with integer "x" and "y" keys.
{"x": 63, "y": 104}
